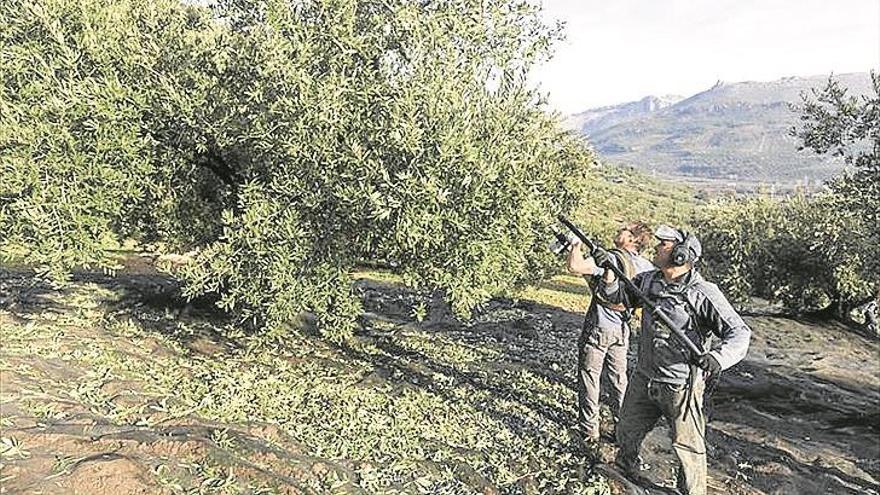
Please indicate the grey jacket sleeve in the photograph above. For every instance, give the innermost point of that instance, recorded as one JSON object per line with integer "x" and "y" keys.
{"x": 719, "y": 317}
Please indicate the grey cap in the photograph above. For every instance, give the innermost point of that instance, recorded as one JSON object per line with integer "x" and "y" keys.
{"x": 667, "y": 233}
{"x": 696, "y": 246}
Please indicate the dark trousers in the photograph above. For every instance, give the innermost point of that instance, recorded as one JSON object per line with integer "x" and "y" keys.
{"x": 645, "y": 402}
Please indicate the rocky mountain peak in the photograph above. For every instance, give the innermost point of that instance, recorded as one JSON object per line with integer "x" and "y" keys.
{"x": 730, "y": 131}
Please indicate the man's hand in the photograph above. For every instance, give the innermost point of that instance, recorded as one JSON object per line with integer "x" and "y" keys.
{"x": 709, "y": 364}
{"x": 601, "y": 257}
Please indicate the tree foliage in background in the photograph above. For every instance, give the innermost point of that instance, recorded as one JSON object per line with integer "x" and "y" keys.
{"x": 798, "y": 251}
{"x": 849, "y": 126}
{"x": 284, "y": 142}
{"x": 619, "y": 195}
{"x": 810, "y": 252}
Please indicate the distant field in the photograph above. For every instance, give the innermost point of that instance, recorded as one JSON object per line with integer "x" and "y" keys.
{"x": 625, "y": 194}
{"x": 711, "y": 188}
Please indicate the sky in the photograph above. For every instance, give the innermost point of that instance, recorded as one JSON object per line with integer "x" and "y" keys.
{"x": 623, "y": 50}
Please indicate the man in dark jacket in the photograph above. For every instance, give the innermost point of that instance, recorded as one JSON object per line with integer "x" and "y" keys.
{"x": 665, "y": 382}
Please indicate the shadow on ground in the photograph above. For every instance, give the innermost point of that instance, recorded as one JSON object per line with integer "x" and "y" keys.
{"x": 795, "y": 417}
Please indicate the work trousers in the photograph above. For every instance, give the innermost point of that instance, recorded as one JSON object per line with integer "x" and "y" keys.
{"x": 645, "y": 402}
{"x": 596, "y": 347}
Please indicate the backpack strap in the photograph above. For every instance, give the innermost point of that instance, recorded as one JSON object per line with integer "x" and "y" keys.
{"x": 629, "y": 269}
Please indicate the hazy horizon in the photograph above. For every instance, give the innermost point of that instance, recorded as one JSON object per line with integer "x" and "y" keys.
{"x": 710, "y": 86}
{"x": 630, "y": 49}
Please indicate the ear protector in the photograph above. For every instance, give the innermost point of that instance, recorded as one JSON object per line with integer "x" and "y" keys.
{"x": 685, "y": 251}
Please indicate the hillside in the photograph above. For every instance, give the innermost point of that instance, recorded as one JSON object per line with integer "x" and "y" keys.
{"x": 604, "y": 117}
{"x": 731, "y": 132}
{"x": 111, "y": 386}
{"x": 624, "y": 194}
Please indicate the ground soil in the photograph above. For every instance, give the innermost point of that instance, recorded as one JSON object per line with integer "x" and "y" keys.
{"x": 800, "y": 415}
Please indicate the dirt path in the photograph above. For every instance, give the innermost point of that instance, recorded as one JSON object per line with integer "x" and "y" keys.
{"x": 93, "y": 399}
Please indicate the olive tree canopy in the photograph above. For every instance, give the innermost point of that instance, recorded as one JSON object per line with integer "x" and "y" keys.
{"x": 284, "y": 142}
{"x": 811, "y": 252}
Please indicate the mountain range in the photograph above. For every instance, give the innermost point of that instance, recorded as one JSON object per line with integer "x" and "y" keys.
{"x": 737, "y": 132}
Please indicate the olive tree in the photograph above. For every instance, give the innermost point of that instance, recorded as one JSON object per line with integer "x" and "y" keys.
{"x": 833, "y": 122}
{"x": 798, "y": 251}
{"x": 284, "y": 142}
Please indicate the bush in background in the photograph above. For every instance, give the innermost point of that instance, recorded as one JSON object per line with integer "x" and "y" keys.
{"x": 797, "y": 251}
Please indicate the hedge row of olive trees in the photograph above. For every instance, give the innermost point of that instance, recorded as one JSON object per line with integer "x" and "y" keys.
{"x": 284, "y": 142}
{"x": 819, "y": 252}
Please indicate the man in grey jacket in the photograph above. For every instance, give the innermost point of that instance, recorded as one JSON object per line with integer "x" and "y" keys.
{"x": 665, "y": 382}
{"x": 870, "y": 314}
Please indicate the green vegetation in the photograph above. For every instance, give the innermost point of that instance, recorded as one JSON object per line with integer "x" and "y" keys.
{"x": 621, "y": 195}
{"x": 401, "y": 408}
{"x": 282, "y": 143}
{"x": 800, "y": 251}
{"x": 816, "y": 252}
{"x": 840, "y": 124}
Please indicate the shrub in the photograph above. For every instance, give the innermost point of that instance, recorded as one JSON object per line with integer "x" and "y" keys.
{"x": 799, "y": 251}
